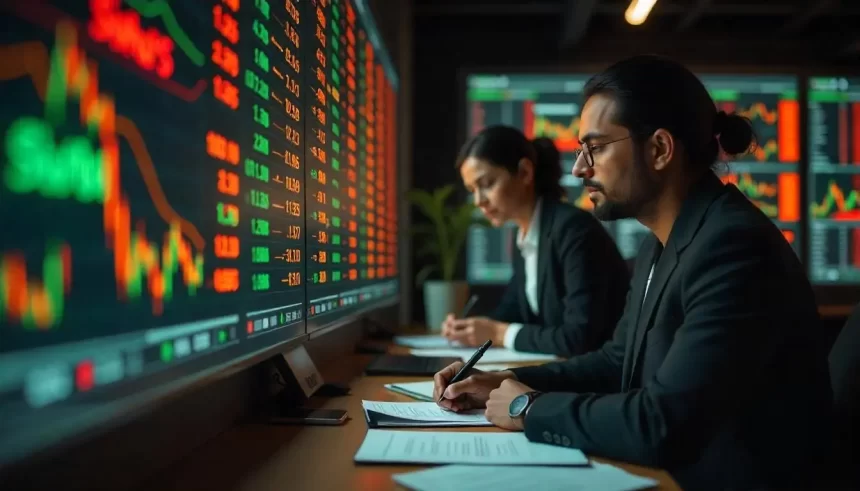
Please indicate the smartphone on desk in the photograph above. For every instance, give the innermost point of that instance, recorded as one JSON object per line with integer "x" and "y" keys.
{"x": 309, "y": 416}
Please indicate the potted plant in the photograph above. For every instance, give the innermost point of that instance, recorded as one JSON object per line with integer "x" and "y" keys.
{"x": 441, "y": 240}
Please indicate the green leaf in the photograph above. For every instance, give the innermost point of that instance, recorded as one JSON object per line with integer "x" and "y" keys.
{"x": 426, "y": 203}
{"x": 425, "y": 273}
{"x": 444, "y": 237}
{"x": 442, "y": 194}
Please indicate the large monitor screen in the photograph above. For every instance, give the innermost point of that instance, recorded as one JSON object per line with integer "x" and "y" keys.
{"x": 549, "y": 105}
{"x": 769, "y": 175}
{"x": 834, "y": 180}
{"x": 182, "y": 185}
{"x": 539, "y": 105}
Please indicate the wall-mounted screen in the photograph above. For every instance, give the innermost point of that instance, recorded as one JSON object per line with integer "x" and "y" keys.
{"x": 539, "y": 105}
{"x": 183, "y": 185}
{"x": 833, "y": 185}
{"x": 549, "y": 105}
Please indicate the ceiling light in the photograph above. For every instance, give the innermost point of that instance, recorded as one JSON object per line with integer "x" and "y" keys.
{"x": 638, "y": 11}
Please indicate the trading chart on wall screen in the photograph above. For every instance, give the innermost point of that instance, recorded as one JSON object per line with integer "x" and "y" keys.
{"x": 183, "y": 183}
{"x": 539, "y": 105}
{"x": 834, "y": 180}
{"x": 769, "y": 175}
{"x": 143, "y": 184}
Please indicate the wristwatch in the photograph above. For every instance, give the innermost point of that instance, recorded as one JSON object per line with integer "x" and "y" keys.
{"x": 521, "y": 404}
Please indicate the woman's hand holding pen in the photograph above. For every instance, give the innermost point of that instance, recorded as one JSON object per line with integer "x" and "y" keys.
{"x": 473, "y": 331}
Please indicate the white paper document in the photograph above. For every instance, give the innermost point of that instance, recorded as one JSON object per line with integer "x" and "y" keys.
{"x": 446, "y": 447}
{"x": 493, "y": 367}
{"x": 423, "y": 391}
{"x": 425, "y": 342}
{"x": 492, "y": 355}
{"x": 604, "y": 477}
{"x": 415, "y": 414}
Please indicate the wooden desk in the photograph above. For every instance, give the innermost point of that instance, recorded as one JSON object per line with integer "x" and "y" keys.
{"x": 259, "y": 457}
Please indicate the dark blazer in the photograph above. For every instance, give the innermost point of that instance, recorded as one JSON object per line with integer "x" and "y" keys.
{"x": 582, "y": 284}
{"x": 721, "y": 377}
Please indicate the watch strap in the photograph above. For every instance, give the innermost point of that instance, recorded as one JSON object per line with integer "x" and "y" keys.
{"x": 533, "y": 395}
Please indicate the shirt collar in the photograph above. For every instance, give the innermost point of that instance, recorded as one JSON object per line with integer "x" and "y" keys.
{"x": 531, "y": 238}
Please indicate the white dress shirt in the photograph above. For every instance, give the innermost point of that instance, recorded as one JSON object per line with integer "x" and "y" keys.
{"x": 648, "y": 284}
{"x": 528, "y": 246}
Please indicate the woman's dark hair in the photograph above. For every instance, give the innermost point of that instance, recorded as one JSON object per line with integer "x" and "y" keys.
{"x": 504, "y": 146}
{"x": 653, "y": 92}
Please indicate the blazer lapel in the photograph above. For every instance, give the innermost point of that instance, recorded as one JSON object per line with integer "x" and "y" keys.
{"x": 684, "y": 230}
{"x": 645, "y": 259}
{"x": 662, "y": 272}
{"x": 519, "y": 278}
{"x": 544, "y": 248}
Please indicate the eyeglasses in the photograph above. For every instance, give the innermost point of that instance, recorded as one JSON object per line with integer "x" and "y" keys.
{"x": 586, "y": 150}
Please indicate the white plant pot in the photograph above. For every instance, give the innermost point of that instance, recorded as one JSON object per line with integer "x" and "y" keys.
{"x": 442, "y": 298}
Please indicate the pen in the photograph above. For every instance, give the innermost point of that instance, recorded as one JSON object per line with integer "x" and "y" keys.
{"x": 466, "y": 309}
{"x": 471, "y": 303}
{"x": 468, "y": 366}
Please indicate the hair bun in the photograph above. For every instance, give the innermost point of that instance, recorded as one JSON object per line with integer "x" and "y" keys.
{"x": 547, "y": 168}
{"x": 734, "y": 132}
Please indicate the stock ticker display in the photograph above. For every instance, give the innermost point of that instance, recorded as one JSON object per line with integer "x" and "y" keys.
{"x": 183, "y": 184}
{"x": 834, "y": 180}
{"x": 549, "y": 105}
{"x": 539, "y": 105}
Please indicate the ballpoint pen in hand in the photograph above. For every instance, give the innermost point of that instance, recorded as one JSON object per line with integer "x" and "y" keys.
{"x": 468, "y": 366}
{"x": 468, "y": 307}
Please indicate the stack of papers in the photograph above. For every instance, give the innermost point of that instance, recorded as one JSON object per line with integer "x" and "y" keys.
{"x": 492, "y": 355}
{"x": 445, "y": 447}
{"x": 604, "y": 477}
{"x": 418, "y": 414}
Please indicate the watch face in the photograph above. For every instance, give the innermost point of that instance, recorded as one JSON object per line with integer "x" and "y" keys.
{"x": 518, "y": 405}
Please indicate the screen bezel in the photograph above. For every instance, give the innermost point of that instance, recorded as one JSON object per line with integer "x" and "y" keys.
{"x": 86, "y": 425}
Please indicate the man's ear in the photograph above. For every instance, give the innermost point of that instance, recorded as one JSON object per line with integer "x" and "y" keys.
{"x": 662, "y": 148}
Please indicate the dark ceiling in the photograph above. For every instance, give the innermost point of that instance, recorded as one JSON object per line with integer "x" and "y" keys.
{"x": 832, "y": 25}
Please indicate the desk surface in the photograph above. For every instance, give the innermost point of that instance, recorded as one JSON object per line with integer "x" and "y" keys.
{"x": 256, "y": 456}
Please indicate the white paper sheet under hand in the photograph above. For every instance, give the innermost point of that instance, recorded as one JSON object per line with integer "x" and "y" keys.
{"x": 493, "y": 355}
{"x": 419, "y": 414}
{"x": 514, "y": 478}
{"x": 425, "y": 342}
{"x": 423, "y": 391}
{"x": 445, "y": 447}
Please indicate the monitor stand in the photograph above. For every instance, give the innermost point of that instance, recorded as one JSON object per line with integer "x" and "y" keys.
{"x": 300, "y": 376}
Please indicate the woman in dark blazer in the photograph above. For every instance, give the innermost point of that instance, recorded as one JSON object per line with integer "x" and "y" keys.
{"x": 570, "y": 282}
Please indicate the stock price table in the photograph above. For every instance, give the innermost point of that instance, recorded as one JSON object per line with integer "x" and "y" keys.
{"x": 834, "y": 180}
{"x": 165, "y": 166}
{"x": 351, "y": 188}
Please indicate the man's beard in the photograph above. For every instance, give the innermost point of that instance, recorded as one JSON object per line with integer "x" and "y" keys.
{"x": 643, "y": 188}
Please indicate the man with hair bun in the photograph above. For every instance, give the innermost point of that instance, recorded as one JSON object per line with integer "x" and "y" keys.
{"x": 717, "y": 371}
